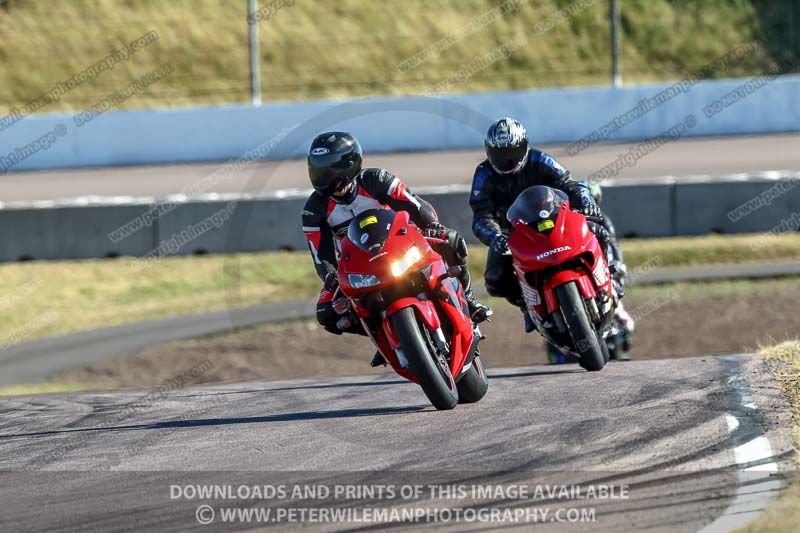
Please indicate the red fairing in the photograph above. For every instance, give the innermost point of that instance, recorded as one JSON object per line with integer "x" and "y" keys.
{"x": 565, "y": 276}
{"x": 425, "y": 308}
{"x": 357, "y": 261}
{"x": 569, "y": 239}
{"x": 403, "y": 235}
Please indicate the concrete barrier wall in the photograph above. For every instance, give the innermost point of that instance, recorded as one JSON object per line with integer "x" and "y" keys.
{"x": 71, "y": 232}
{"x": 254, "y": 225}
{"x": 259, "y": 224}
{"x": 284, "y": 130}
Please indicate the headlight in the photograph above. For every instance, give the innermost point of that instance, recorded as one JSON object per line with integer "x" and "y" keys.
{"x": 410, "y": 258}
{"x": 362, "y": 281}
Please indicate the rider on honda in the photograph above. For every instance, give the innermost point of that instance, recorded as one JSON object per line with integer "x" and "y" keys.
{"x": 342, "y": 190}
{"x": 510, "y": 167}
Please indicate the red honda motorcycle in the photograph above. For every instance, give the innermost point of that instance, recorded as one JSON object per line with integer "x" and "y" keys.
{"x": 563, "y": 274}
{"x": 412, "y": 307}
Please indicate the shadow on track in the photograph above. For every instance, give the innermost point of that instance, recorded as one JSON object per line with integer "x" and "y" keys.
{"x": 284, "y": 417}
{"x": 303, "y": 387}
{"x": 534, "y": 373}
{"x": 344, "y": 385}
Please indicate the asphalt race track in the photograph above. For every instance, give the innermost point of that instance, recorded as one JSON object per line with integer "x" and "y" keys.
{"x": 712, "y": 157}
{"x": 658, "y": 431}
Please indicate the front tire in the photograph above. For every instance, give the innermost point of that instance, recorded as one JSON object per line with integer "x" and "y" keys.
{"x": 433, "y": 375}
{"x": 584, "y": 337}
{"x": 474, "y": 384}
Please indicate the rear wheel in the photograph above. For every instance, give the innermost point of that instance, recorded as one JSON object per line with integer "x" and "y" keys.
{"x": 433, "y": 373}
{"x": 474, "y": 384}
{"x": 583, "y": 335}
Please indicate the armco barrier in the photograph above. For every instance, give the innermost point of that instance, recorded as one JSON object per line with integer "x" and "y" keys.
{"x": 397, "y": 123}
{"x": 215, "y": 225}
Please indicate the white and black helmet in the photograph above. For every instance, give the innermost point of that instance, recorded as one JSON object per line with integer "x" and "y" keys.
{"x": 507, "y": 146}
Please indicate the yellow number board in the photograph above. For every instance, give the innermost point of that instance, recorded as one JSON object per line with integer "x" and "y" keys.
{"x": 367, "y": 221}
{"x": 545, "y": 225}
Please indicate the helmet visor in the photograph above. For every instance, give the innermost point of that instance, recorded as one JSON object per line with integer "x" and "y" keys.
{"x": 506, "y": 159}
{"x": 339, "y": 186}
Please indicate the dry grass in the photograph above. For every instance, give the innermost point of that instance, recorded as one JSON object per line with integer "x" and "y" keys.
{"x": 784, "y": 514}
{"x": 47, "y": 298}
{"x": 302, "y": 349}
{"x": 38, "y": 299}
{"x": 687, "y": 251}
{"x": 353, "y": 47}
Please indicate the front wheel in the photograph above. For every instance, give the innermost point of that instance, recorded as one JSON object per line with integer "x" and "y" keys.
{"x": 584, "y": 337}
{"x": 474, "y": 384}
{"x": 433, "y": 374}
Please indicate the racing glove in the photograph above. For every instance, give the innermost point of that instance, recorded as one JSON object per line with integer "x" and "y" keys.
{"x": 591, "y": 210}
{"x": 331, "y": 282}
{"x": 440, "y": 234}
{"x": 436, "y": 232}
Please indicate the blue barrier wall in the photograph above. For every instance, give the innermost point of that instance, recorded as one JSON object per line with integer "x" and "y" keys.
{"x": 396, "y": 124}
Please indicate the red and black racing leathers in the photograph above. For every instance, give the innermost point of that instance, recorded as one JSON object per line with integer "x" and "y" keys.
{"x": 325, "y": 222}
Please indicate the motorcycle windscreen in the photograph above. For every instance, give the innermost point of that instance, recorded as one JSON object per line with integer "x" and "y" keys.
{"x": 369, "y": 230}
{"x": 537, "y": 207}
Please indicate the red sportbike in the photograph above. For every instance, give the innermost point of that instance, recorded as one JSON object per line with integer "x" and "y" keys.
{"x": 563, "y": 274}
{"x": 412, "y": 308}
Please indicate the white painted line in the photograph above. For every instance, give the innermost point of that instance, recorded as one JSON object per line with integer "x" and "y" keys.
{"x": 755, "y": 460}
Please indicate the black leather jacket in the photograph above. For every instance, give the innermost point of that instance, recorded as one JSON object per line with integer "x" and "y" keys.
{"x": 492, "y": 193}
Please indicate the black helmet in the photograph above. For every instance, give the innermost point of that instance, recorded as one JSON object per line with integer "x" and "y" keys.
{"x": 507, "y": 146}
{"x": 334, "y": 160}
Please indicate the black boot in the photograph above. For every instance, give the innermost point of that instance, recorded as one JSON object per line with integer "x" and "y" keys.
{"x": 530, "y": 325}
{"x": 378, "y": 360}
{"x": 477, "y": 311}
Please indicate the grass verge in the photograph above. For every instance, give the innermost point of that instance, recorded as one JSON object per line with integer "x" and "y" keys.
{"x": 666, "y": 328}
{"x": 45, "y": 388}
{"x": 711, "y": 249}
{"x": 39, "y": 299}
{"x": 784, "y": 514}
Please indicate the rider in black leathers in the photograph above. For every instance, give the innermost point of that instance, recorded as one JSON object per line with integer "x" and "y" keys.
{"x": 511, "y": 166}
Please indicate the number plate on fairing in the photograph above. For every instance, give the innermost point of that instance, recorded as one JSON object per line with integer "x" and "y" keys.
{"x": 532, "y": 299}
{"x": 531, "y": 295}
{"x": 601, "y": 273}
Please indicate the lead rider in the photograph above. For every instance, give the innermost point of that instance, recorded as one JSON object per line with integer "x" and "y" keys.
{"x": 343, "y": 190}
